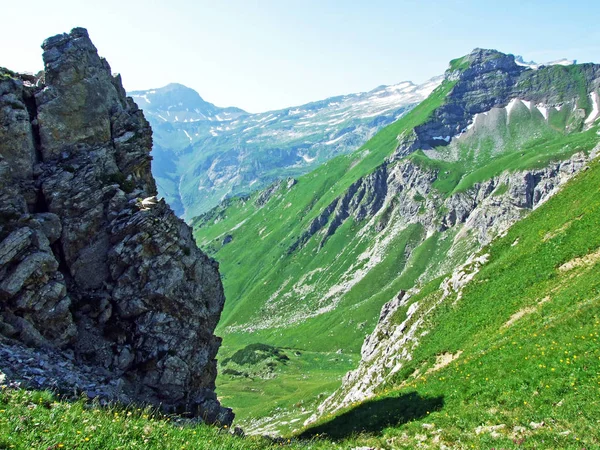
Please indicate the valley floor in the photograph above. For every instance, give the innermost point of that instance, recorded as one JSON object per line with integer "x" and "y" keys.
{"x": 277, "y": 400}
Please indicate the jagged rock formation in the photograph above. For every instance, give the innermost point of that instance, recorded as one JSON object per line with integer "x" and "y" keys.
{"x": 407, "y": 190}
{"x": 91, "y": 264}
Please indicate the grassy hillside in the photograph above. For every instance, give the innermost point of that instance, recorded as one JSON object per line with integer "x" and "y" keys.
{"x": 525, "y": 337}
{"x": 275, "y": 397}
{"x": 41, "y": 420}
{"x": 523, "y": 139}
{"x": 277, "y": 294}
{"x": 264, "y": 235}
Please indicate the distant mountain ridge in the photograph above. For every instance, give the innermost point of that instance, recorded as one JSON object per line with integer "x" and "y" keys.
{"x": 533, "y": 65}
{"x": 204, "y": 153}
{"x": 176, "y": 97}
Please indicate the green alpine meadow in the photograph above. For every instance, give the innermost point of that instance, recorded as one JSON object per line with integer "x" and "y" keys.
{"x": 410, "y": 266}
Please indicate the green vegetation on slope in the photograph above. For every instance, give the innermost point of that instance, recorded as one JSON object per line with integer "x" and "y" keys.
{"x": 6, "y": 74}
{"x": 252, "y": 283}
{"x": 270, "y": 231}
{"x": 528, "y": 375}
{"x": 528, "y": 329}
{"x": 40, "y": 420}
{"x": 256, "y": 353}
{"x": 277, "y": 397}
{"x": 526, "y": 141}
{"x": 567, "y": 82}
{"x": 312, "y": 298}
{"x": 270, "y": 287}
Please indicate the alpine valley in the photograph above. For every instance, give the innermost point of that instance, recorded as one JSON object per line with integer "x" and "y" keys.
{"x": 412, "y": 267}
{"x": 386, "y": 241}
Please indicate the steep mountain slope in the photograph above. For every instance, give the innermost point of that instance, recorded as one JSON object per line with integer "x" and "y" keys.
{"x": 503, "y": 353}
{"x": 487, "y": 144}
{"x": 508, "y": 359}
{"x": 203, "y": 153}
{"x": 309, "y": 263}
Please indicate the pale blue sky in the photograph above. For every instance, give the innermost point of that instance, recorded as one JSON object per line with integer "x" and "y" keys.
{"x": 261, "y": 55}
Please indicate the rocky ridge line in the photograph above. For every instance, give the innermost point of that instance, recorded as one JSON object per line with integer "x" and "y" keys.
{"x": 491, "y": 79}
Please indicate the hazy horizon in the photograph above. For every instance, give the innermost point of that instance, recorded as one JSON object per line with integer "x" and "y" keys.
{"x": 265, "y": 55}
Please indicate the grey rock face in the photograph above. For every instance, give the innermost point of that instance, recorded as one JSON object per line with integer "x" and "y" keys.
{"x": 90, "y": 262}
{"x": 402, "y": 189}
{"x": 491, "y": 80}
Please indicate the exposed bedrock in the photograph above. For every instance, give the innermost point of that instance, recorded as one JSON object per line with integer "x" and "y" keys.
{"x": 91, "y": 264}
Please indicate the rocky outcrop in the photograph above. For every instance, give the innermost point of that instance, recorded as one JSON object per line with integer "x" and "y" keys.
{"x": 406, "y": 192}
{"x": 486, "y": 79}
{"x": 90, "y": 262}
{"x": 391, "y": 344}
{"x": 364, "y": 198}
{"x": 266, "y": 195}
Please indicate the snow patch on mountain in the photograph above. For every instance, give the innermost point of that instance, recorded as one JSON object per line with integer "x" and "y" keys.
{"x": 533, "y": 65}
{"x": 333, "y": 141}
{"x": 595, "y": 110}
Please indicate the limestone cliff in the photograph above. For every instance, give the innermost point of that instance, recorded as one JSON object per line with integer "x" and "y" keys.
{"x": 92, "y": 266}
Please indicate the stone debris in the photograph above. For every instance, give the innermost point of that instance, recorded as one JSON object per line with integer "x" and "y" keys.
{"x": 489, "y": 428}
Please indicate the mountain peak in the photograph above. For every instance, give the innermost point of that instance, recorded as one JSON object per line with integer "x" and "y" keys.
{"x": 176, "y": 101}
{"x": 490, "y": 59}
{"x": 479, "y": 55}
{"x": 480, "y": 61}
{"x": 178, "y": 87}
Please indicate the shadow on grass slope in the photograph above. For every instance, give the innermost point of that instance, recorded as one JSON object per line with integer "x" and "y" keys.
{"x": 375, "y": 415}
